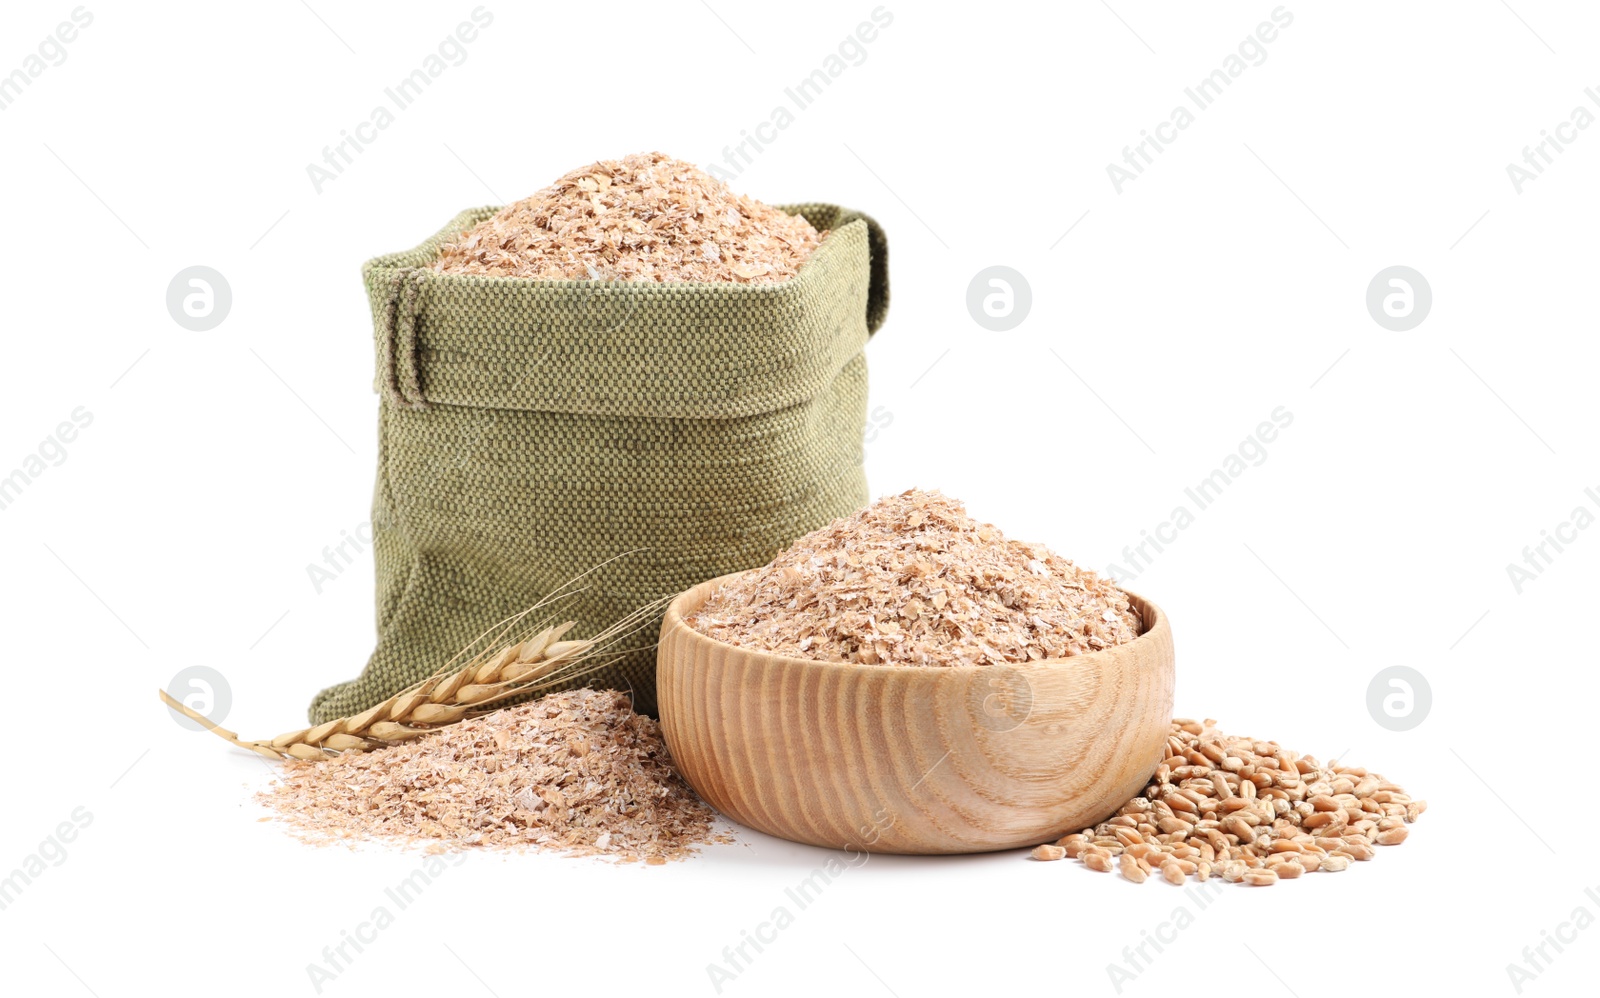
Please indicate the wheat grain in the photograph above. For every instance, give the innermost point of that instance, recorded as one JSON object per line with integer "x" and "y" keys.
{"x": 1246, "y": 810}
{"x": 1287, "y": 869}
{"x": 1132, "y": 868}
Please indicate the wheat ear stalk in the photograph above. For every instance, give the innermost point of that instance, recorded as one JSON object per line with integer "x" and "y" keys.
{"x": 471, "y": 684}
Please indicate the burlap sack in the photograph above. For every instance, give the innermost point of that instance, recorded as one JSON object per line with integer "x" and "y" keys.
{"x": 529, "y": 430}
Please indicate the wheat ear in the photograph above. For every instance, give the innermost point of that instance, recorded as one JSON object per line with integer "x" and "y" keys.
{"x": 459, "y": 690}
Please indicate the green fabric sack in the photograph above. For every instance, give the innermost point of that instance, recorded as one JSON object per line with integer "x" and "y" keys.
{"x": 530, "y": 430}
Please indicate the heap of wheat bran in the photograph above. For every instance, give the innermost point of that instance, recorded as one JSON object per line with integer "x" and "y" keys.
{"x": 913, "y": 580}
{"x": 576, "y": 772}
{"x": 645, "y": 217}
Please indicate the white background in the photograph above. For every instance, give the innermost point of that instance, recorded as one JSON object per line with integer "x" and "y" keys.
{"x": 1226, "y": 281}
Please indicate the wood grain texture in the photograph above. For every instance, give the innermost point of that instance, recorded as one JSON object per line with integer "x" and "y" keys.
{"x": 904, "y": 759}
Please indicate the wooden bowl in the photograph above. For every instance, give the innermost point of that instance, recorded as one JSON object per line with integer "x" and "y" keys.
{"x": 906, "y": 759}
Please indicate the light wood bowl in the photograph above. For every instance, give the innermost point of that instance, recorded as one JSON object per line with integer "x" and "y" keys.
{"x": 904, "y": 759}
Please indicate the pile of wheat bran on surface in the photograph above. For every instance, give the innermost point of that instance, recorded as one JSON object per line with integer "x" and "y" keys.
{"x": 576, "y": 772}
{"x": 646, "y": 217}
{"x": 913, "y": 580}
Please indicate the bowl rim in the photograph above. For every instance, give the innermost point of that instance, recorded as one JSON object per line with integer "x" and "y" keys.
{"x": 674, "y": 618}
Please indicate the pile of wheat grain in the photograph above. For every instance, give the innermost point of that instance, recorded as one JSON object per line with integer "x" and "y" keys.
{"x": 1245, "y": 810}
{"x": 913, "y": 580}
{"x": 576, "y": 772}
{"x": 645, "y": 217}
